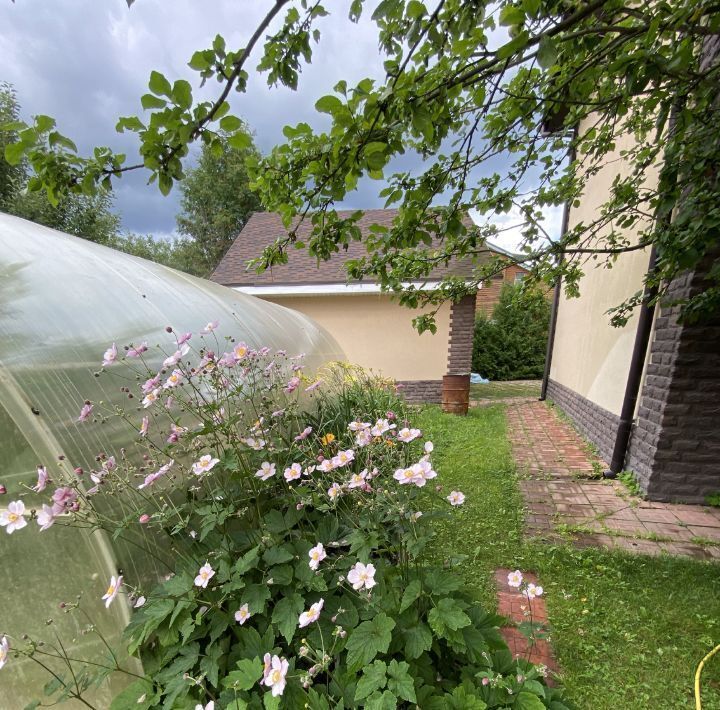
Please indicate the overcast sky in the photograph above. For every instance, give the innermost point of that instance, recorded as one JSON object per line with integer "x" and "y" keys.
{"x": 87, "y": 62}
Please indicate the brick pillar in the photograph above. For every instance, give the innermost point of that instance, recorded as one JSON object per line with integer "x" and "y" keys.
{"x": 462, "y": 327}
{"x": 675, "y": 445}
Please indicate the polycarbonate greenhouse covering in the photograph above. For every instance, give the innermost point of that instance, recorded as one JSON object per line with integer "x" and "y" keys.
{"x": 63, "y": 302}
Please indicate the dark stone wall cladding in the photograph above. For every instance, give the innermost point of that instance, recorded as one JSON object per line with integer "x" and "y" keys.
{"x": 462, "y": 328}
{"x": 595, "y": 423}
{"x": 421, "y": 391}
{"x": 675, "y": 446}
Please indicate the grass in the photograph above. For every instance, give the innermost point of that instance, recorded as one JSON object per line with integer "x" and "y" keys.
{"x": 505, "y": 390}
{"x": 628, "y": 630}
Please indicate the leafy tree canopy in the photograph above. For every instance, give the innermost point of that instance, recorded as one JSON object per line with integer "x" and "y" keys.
{"x": 466, "y": 80}
{"x": 217, "y": 200}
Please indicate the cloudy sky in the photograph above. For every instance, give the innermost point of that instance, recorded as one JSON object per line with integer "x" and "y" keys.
{"x": 86, "y": 62}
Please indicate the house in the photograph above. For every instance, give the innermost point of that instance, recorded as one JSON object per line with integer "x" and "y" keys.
{"x": 647, "y": 394}
{"x": 374, "y": 330}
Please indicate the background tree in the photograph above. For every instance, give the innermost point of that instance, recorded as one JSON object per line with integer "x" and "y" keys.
{"x": 469, "y": 84}
{"x": 86, "y": 215}
{"x": 217, "y": 201}
{"x": 510, "y": 344}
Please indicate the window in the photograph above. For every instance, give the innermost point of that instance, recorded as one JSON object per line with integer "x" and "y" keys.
{"x": 519, "y": 278}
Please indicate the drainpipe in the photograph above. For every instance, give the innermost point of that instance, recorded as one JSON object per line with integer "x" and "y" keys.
{"x": 637, "y": 365}
{"x": 556, "y": 293}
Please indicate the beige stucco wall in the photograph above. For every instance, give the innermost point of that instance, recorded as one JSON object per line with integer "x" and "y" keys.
{"x": 377, "y": 333}
{"x": 590, "y": 356}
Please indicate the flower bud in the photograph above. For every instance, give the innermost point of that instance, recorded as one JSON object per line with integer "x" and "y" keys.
{"x": 79, "y": 471}
{"x": 144, "y": 518}
{"x": 3, "y": 490}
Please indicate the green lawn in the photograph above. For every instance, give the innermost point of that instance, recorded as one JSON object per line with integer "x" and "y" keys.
{"x": 628, "y": 631}
{"x": 503, "y": 390}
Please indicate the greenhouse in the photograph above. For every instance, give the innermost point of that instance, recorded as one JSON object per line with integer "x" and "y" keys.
{"x": 63, "y": 302}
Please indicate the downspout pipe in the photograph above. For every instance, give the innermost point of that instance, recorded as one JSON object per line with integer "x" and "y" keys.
{"x": 635, "y": 373}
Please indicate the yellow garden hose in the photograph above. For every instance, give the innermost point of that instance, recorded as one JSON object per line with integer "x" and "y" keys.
{"x": 701, "y": 665}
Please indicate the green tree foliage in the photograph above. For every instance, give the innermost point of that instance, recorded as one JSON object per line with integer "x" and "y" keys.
{"x": 216, "y": 201}
{"x": 85, "y": 215}
{"x": 510, "y": 345}
{"x": 468, "y": 86}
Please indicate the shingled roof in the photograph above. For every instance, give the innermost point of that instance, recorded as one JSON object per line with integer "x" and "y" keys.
{"x": 263, "y": 228}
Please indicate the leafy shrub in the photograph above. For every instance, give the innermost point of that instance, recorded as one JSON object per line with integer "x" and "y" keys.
{"x": 295, "y": 513}
{"x": 511, "y": 344}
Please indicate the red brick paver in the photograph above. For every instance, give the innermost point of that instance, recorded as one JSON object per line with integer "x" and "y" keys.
{"x": 560, "y": 497}
{"x": 513, "y": 605}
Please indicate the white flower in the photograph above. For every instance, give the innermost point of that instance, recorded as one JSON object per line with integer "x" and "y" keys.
{"x": 404, "y": 475}
{"x": 151, "y": 397}
{"x": 358, "y": 426}
{"x": 334, "y": 491}
{"x": 46, "y": 517}
{"x": 4, "y": 651}
{"x": 173, "y": 380}
{"x": 242, "y": 614}
{"x": 139, "y": 602}
{"x": 112, "y": 590}
{"x": 317, "y": 554}
{"x": 363, "y": 438}
{"x": 240, "y": 351}
{"x": 456, "y": 498}
{"x": 255, "y": 444}
{"x": 267, "y": 469}
{"x": 204, "y": 464}
{"x": 311, "y": 615}
{"x": 362, "y": 576}
{"x": 12, "y": 518}
{"x": 343, "y": 458}
{"x": 42, "y": 480}
{"x": 326, "y": 465}
{"x": 428, "y": 447}
{"x": 144, "y": 426}
{"x": 416, "y": 516}
{"x": 292, "y": 473}
{"x": 209, "y": 706}
{"x": 357, "y": 480}
{"x": 515, "y": 578}
{"x": 110, "y": 355}
{"x": 408, "y": 435}
{"x": 381, "y": 426}
{"x": 532, "y": 591}
{"x": 423, "y": 472}
{"x": 212, "y": 325}
{"x": 204, "y": 575}
{"x": 276, "y": 669}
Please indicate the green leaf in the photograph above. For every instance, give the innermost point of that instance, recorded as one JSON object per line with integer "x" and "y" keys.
{"x": 255, "y": 595}
{"x": 547, "y": 53}
{"x": 231, "y": 123}
{"x": 199, "y": 61}
{"x": 369, "y": 639}
{"x": 165, "y": 183}
{"x": 131, "y": 123}
{"x": 210, "y": 663}
{"x": 513, "y": 46}
{"x": 400, "y": 682}
{"x": 528, "y": 701}
{"x": 381, "y": 701}
{"x": 418, "y": 639}
{"x": 182, "y": 93}
{"x": 511, "y": 15}
{"x": 14, "y": 153}
{"x": 286, "y": 613}
{"x": 129, "y": 698}
{"x": 44, "y": 123}
{"x": 373, "y": 678}
{"x": 247, "y": 561}
{"x": 328, "y": 104}
{"x": 149, "y": 101}
{"x": 248, "y": 673}
{"x": 411, "y": 593}
{"x": 159, "y": 85}
{"x": 448, "y": 614}
{"x": 277, "y": 555}
{"x": 240, "y": 140}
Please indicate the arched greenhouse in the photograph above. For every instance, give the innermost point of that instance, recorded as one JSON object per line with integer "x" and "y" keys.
{"x": 63, "y": 301}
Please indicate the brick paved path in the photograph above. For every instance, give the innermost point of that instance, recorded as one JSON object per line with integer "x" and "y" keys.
{"x": 515, "y": 607}
{"x": 560, "y": 499}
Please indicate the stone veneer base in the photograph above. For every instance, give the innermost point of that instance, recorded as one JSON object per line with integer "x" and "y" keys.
{"x": 421, "y": 391}
{"x": 594, "y": 422}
